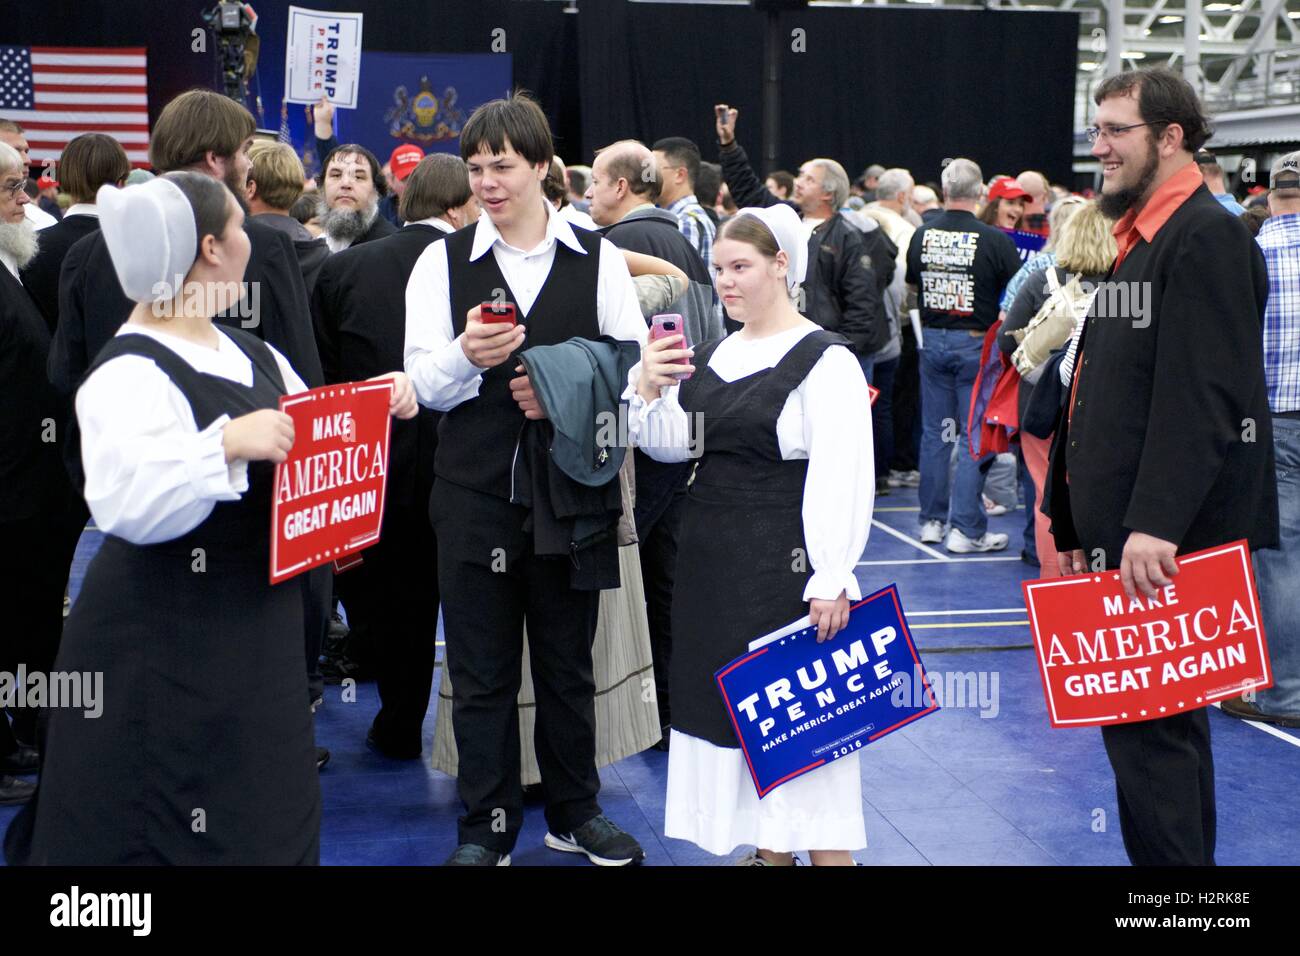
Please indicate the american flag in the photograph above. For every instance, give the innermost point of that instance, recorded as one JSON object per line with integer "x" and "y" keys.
{"x": 58, "y": 92}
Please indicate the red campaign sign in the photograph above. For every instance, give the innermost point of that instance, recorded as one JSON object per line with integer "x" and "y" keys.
{"x": 329, "y": 493}
{"x": 1106, "y": 659}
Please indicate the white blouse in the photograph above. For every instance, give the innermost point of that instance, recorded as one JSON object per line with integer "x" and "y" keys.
{"x": 151, "y": 475}
{"x": 826, "y": 420}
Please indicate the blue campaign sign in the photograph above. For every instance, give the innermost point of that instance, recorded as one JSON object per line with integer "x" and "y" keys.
{"x": 796, "y": 704}
{"x": 1028, "y": 244}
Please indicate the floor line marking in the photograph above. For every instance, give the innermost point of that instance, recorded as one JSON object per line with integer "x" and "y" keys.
{"x": 1267, "y": 728}
{"x": 945, "y": 560}
{"x": 924, "y": 548}
{"x": 983, "y": 610}
{"x": 922, "y": 627}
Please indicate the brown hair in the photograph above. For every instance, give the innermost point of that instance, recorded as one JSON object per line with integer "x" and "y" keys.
{"x": 196, "y": 122}
{"x": 89, "y": 161}
{"x": 754, "y": 232}
{"x": 553, "y": 187}
{"x": 440, "y": 182}
{"x": 518, "y": 119}
{"x": 278, "y": 173}
{"x": 1163, "y": 98}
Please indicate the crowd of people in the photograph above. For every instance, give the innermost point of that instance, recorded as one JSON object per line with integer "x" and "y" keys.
{"x": 150, "y": 404}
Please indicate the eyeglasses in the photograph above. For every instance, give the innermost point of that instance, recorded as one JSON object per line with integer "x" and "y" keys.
{"x": 15, "y": 189}
{"x": 1111, "y": 131}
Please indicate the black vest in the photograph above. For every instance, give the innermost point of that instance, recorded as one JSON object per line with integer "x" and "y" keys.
{"x": 477, "y": 438}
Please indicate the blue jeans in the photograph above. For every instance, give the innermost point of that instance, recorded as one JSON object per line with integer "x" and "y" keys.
{"x": 949, "y": 362}
{"x": 1277, "y": 573}
{"x": 868, "y": 365}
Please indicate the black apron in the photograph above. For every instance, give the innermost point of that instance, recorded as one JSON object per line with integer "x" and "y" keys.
{"x": 204, "y": 752}
{"x": 742, "y": 563}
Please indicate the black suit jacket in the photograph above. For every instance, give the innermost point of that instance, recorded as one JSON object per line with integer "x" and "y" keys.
{"x": 359, "y": 311}
{"x": 42, "y": 274}
{"x": 30, "y": 415}
{"x": 381, "y": 228}
{"x": 1171, "y": 432}
{"x": 92, "y": 306}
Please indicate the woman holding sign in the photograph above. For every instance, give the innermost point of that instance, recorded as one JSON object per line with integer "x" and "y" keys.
{"x": 777, "y": 516}
{"x": 201, "y": 750}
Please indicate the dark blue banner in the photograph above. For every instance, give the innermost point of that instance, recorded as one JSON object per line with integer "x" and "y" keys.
{"x": 797, "y": 705}
{"x": 1028, "y": 244}
{"x": 419, "y": 98}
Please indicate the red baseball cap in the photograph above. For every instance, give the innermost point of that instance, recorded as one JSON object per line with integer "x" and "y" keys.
{"x": 1004, "y": 187}
{"x": 404, "y": 159}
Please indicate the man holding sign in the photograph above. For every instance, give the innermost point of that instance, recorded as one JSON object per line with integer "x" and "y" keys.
{"x": 1165, "y": 446}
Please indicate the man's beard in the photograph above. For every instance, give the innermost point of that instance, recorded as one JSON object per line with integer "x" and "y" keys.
{"x": 232, "y": 179}
{"x": 20, "y": 240}
{"x": 1113, "y": 205}
{"x": 343, "y": 224}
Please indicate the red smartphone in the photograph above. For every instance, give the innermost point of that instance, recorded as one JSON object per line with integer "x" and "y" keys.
{"x": 662, "y": 326}
{"x": 491, "y": 312}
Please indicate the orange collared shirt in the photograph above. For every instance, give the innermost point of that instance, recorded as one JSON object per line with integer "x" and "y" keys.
{"x": 1172, "y": 193}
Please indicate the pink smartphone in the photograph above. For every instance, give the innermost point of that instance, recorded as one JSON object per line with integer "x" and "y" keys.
{"x": 662, "y": 326}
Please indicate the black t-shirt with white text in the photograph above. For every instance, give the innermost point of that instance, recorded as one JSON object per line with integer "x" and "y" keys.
{"x": 960, "y": 267}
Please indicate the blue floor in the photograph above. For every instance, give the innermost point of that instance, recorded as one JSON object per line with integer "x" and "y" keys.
{"x": 956, "y": 788}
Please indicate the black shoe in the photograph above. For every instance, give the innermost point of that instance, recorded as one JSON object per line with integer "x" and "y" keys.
{"x": 471, "y": 854}
{"x": 322, "y": 757}
{"x": 392, "y": 753}
{"x": 882, "y": 487}
{"x": 21, "y": 761}
{"x": 661, "y": 744}
{"x": 334, "y": 670}
{"x": 14, "y": 791}
{"x": 534, "y": 795}
{"x": 604, "y": 843}
{"x": 1030, "y": 559}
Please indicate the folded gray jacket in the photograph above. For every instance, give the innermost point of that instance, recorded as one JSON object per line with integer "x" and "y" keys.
{"x": 579, "y": 384}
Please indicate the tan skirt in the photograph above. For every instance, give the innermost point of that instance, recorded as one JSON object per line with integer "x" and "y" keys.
{"x": 627, "y": 717}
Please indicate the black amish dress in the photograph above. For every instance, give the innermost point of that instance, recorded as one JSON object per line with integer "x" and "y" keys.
{"x": 742, "y": 562}
{"x": 203, "y": 753}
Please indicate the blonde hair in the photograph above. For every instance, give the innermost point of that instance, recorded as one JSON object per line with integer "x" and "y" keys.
{"x": 1061, "y": 212}
{"x": 278, "y": 173}
{"x": 1086, "y": 244}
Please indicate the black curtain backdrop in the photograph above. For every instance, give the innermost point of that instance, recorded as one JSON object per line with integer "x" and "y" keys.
{"x": 901, "y": 87}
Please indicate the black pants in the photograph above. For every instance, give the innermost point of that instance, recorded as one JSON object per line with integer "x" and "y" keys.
{"x": 317, "y": 596}
{"x": 658, "y": 567}
{"x": 491, "y": 584}
{"x": 907, "y": 405}
{"x": 1164, "y": 777}
{"x": 401, "y": 572}
{"x": 33, "y": 573}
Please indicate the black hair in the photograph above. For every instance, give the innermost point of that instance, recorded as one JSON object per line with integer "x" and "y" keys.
{"x": 376, "y": 171}
{"x": 1163, "y": 98}
{"x": 518, "y": 119}
{"x": 680, "y": 151}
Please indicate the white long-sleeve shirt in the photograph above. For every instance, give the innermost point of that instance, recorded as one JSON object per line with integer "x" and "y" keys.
{"x": 826, "y": 420}
{"x": 151, "y": 475}
{"x": 440, "y": 371}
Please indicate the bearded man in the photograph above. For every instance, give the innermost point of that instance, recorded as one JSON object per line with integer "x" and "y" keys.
{"x": 353, "y": 185}
{"x": 1165, "y": 446}
{"x": 31, "y": 586}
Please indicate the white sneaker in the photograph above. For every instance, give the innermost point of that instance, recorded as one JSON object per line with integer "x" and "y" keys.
{"x": 959, "y": 543}
{"x": 992, "y": 508}
{"x": 932, "y": 532}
